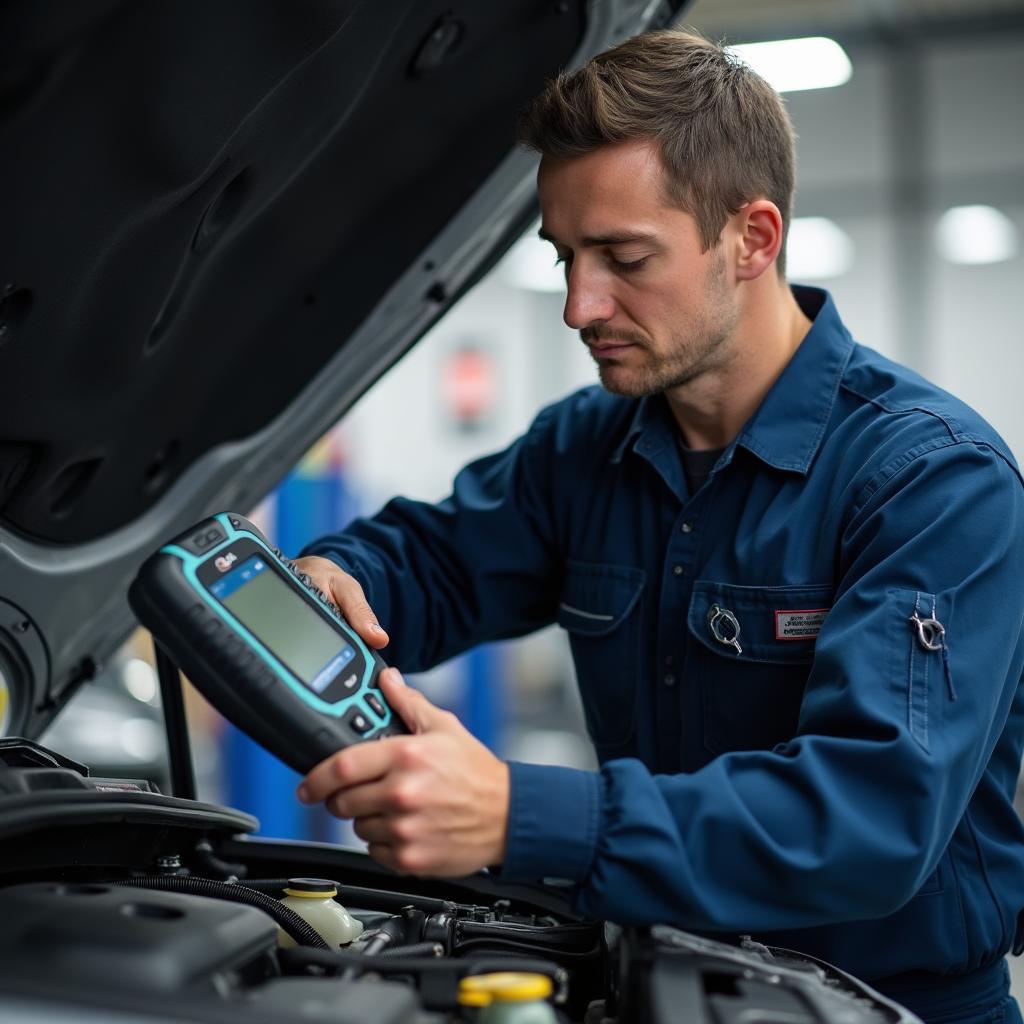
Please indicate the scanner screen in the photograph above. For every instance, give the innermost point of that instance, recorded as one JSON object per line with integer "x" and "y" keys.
{"x": 285, "y": 623}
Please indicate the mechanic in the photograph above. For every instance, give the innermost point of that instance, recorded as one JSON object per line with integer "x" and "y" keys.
{"x": 792, "y": 574}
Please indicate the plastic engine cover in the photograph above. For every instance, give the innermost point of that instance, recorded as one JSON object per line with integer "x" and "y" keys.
{"x": 135, "y": 939}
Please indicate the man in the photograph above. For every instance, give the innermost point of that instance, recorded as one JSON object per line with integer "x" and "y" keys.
{"x": 791, "y": 572}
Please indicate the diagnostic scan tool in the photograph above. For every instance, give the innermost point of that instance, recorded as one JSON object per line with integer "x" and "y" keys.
{"x": 261, "y": 643}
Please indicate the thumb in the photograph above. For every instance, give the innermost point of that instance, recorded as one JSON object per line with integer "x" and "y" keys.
{"x": 414, "y": 709}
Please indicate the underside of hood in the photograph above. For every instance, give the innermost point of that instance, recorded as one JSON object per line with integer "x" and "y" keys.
{"x": 220, "y": 224}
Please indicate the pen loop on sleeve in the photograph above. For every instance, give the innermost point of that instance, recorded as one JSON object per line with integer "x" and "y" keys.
{"x": 931, "y": 635}
{"x": 930, "y": 632}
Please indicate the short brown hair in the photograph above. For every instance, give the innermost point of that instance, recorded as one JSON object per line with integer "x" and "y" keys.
{"x": 725, "y": 135}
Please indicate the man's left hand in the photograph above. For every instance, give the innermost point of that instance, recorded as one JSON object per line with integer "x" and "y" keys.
{"x": 433, "y": 803}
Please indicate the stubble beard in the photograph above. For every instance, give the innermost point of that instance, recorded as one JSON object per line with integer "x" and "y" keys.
{"x": 702, "y": 347}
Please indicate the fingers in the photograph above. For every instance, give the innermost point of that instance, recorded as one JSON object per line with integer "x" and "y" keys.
{"x": 372, "y": 799}
{"x": 367, "y": 762}
{"x": 376, "y": 830}
{"x": 344, "y": 590}
{"x": 412, "y": 707}
{"x": 352, "y": 766}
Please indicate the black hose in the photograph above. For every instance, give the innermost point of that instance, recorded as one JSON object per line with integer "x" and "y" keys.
{"x": 212, "y": 864}
{"x": 302, "y": 932}
{"x": 416, "y": 949}
{"x": 268, "y": 885}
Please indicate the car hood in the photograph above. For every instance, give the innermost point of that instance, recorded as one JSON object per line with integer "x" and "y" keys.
{"x": 220, "y": 224}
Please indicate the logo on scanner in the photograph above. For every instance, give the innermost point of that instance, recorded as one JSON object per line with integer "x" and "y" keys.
{"x": 224, "y": 562}
{"x": 799, "y": 623}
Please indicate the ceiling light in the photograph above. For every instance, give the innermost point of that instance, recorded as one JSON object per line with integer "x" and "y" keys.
{"x": 976, "y": 234}
{"x": 139, "y": 680}
{"x": 817, "y": 248}
{"x": 789, "y": 65}
{"x": 530, "y": 264}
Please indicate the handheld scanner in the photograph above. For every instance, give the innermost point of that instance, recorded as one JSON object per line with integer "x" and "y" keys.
{"x": 261, "y": 643}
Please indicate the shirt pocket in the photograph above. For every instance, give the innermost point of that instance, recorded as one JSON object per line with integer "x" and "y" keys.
{"x": 598, "y": 609}
{"x": 753, "y": 653}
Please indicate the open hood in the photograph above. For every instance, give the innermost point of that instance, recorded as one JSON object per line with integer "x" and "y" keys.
{"x": 219, "y": 224}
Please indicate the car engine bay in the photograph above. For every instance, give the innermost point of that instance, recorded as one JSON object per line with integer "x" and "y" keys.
{"x": 118, "y": 898}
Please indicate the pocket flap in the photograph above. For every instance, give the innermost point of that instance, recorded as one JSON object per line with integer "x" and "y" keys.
{"x": 776, "y": 624}
{"x": 596, "y": 598}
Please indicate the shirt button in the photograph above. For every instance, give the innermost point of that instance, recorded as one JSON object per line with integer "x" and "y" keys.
{"x": 670, "y": 680}
{"x": 687, "y": 527}
{"x": 677, "y": 570}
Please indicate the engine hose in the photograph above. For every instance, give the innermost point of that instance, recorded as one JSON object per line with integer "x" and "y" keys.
{"x": 417, "y": 949}
{"x": 210, "y": 862}
{"x": 267, "y": 885}
{"x": 303, "y": 933}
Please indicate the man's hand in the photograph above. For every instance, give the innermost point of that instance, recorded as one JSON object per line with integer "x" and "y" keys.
{"x": 347, "y": 594}
{"x": 433, "y": 803}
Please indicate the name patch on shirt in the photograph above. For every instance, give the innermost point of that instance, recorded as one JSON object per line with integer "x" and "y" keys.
{"x": 799, "y": 623}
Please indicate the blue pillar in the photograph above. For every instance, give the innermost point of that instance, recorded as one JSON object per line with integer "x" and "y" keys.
{"x": 485, "y": 683}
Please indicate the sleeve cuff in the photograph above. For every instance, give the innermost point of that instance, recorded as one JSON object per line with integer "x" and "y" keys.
{"x": 552, "y": 822}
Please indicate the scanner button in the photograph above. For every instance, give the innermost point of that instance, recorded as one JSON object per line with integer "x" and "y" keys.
{"x": 376, "y": 706}
{"x": 205, "y": 538}
{"x": 351, "y": 684}
{"x": 357, "y": 721}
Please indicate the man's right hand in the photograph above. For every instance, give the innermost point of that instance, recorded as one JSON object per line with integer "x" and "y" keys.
{"x": 347, "y": 594}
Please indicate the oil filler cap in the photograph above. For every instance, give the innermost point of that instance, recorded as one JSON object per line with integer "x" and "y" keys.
{"x": 503, "y": 987}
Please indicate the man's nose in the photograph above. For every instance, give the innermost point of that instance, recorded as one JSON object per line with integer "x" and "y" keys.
{"x": 587, "y": 300}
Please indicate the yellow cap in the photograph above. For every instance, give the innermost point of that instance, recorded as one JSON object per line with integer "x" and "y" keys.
{"x": 503, "y": 987}
{"x": 311, "y": 888}
{"x": 469, "y": 997}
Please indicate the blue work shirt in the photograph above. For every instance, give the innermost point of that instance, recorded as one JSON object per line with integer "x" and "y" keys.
{"x": 784, "y": 750}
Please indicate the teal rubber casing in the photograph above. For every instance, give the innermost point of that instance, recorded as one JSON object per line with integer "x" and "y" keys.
{"x": 251, "y": 684}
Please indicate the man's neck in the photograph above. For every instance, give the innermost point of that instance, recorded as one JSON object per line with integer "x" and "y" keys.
{"x": 712, "y": 409}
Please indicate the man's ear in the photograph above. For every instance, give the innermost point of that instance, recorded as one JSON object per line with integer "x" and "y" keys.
{"x": 758, "y": 233}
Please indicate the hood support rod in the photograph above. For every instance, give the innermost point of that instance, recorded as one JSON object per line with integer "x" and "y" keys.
{"x": 179, "y": 753}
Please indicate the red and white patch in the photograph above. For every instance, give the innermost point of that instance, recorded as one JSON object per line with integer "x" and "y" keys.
{"x": 799, "y": 623}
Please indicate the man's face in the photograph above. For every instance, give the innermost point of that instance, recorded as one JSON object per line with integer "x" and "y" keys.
{"x": 654, "y": 310}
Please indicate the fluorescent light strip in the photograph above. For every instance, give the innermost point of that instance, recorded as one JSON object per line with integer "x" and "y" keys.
{"x": 976, "y": 235}
{"x": 791, "y": 65}
{"x": 817, "y": 248}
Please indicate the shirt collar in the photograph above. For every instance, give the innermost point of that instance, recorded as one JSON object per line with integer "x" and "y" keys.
{"x": 788, "y": 426}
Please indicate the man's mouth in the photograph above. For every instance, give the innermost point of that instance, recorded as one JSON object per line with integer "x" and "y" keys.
{"x": 609, "y": 349}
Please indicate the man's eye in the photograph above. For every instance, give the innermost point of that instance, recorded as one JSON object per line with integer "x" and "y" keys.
{"x": 629, "y": 266}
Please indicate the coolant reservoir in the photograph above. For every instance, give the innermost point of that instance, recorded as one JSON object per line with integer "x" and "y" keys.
{"x": 313, "y": 900}
{"x": 508, "y": 997}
